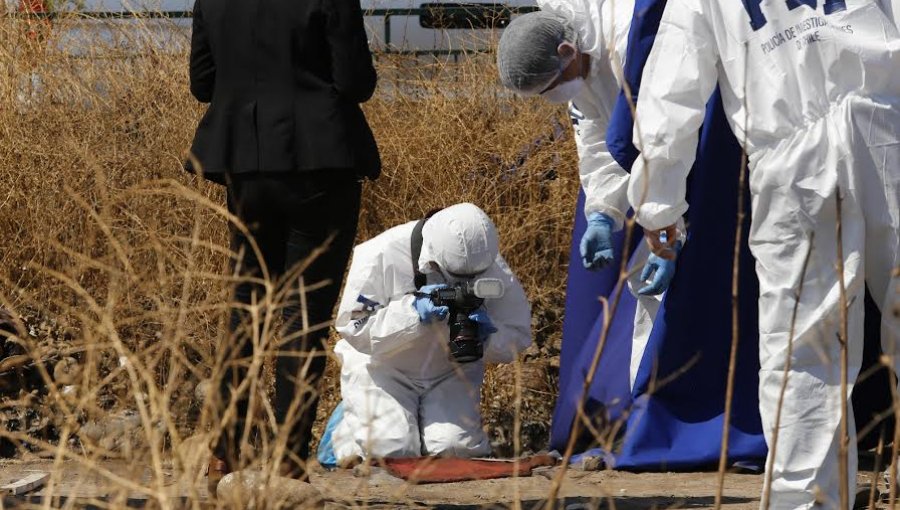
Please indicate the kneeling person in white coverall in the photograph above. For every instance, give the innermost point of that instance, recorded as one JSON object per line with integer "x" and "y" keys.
{"x": 404, "y": 394}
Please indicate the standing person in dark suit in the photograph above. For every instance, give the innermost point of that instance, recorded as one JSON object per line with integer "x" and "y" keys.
{"x": 285, "y": 134}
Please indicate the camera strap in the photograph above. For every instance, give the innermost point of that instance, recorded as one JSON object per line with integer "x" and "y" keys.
{"x": 419, "y": 278}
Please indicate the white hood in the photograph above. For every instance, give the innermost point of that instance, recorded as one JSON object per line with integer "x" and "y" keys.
{"x": 461, "y": 239}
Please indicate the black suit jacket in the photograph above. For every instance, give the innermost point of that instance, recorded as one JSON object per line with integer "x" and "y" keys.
{"x": 284, "y": 79}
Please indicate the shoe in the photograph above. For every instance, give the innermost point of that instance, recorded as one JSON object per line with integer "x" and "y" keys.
{"x": 350, "y": 462}
{"x": 217, "y": 469}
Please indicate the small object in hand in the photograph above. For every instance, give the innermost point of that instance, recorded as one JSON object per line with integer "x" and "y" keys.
{"x": 662, "y": 242}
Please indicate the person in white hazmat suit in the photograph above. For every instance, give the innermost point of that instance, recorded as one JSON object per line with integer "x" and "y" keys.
{"x": 812, "y": 90}
{"x": 403, "y": 395}
{"x": 573, "y": 51}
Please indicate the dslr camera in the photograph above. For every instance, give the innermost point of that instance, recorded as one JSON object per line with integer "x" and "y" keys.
{"x": 462, "y": 299}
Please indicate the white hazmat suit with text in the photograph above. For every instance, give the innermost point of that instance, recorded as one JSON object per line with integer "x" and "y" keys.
{"x": 812, "y": 89}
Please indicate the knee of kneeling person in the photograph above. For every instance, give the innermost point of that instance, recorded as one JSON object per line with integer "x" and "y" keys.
{"x": 375, "y": 440}
{"x": 453, "y": 441}
{"x": 392, "y": 447}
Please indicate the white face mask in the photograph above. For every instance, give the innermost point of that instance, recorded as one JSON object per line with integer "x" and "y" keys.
{"x": 565, "y": 91}
{"x": 452, "y": 279}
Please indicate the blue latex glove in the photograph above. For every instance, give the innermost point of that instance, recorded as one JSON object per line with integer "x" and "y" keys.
{"x": 662, "y": 271}
{"x": 425, "y": 308}
{"x": 486, "y": 328}
{"x": 596, "y": 243}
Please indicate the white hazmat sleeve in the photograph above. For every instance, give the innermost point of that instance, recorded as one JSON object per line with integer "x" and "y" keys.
{"x": 680, "y": 75}
{"x": 604, "y": 182}
{"x": 371, "y": 321}
{"x": 510, "y": 314}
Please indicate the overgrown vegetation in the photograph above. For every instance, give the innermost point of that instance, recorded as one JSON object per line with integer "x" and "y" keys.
{"x": 112, "y": 258}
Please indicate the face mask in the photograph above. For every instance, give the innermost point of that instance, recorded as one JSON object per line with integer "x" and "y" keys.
{"x": 452, "y": 279}
{"x": 565, "y": 91}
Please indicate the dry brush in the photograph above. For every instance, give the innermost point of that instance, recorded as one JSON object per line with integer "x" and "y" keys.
{"x": 113, "y": 259}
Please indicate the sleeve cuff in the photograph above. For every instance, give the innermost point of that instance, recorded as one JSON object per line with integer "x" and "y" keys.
{"x": 657, "y": 216}
{"x": 617, "y": 216}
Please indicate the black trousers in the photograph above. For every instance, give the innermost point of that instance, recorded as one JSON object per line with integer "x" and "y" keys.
{"x": 289, "y": 217}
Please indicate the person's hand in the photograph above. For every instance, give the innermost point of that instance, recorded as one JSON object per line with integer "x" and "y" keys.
{"x": 426, "y": 309}
{"x": 596, "y": 244}
{"x": 662, "y": 242}
{"x": 486, "y": 328}
{"x": 662, "y": 271}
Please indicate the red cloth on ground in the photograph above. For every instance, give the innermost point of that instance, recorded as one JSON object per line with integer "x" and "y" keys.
{"x": 450, "y": 469}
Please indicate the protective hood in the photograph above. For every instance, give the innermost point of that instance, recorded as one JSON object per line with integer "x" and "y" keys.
{"x": 461, "y": 239}
{"x": 585, "y": 17}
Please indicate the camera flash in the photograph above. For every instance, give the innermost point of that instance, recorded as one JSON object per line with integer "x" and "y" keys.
{"x": 489, "y": 288}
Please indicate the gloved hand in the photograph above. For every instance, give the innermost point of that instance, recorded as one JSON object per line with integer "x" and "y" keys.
{"x": 662, "y": 270}
{"x": 426, "y": 308}
{"x": 596, "y": 243}
{"x": 485, "y": 327}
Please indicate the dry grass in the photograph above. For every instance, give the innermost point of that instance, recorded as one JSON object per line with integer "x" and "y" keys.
{"x": 114, "y": 258}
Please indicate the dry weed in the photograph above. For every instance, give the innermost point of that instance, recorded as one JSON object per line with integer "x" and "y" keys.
{"x": 113, "y": 259}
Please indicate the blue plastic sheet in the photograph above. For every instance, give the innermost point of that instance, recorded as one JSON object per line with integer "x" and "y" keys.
{"x": 325, "y": 453}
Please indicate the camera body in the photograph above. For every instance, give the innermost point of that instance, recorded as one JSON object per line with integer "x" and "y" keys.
{"x": 462, "y": 299}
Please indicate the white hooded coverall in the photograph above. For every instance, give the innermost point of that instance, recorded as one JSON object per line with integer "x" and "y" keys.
{"x": 812, "y": 89}
{"x": 402, "y": 395}
{"x": 602, "y": 30}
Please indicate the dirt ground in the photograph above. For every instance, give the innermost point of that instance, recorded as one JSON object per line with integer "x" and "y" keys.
{"x": 581, "y": 489}
{"x": 77, "y": 485}
{"x": 102, "y": 486}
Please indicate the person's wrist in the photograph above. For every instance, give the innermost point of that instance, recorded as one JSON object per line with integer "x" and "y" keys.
{"x": 676, "y": 249}
{"x": 600, "y": 219}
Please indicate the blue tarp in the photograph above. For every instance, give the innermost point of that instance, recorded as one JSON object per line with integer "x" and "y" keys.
{"x": 325, "y": 452}
{"x": 680, "y": 424}
{"x": 582, "y": 326}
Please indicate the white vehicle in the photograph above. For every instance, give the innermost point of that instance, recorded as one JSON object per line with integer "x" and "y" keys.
{"x": 419, "y": 26}
{"x": 442, "y": 25}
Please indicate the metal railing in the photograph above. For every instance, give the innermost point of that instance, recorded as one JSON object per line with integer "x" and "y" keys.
{"x": 494, "y": 10}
